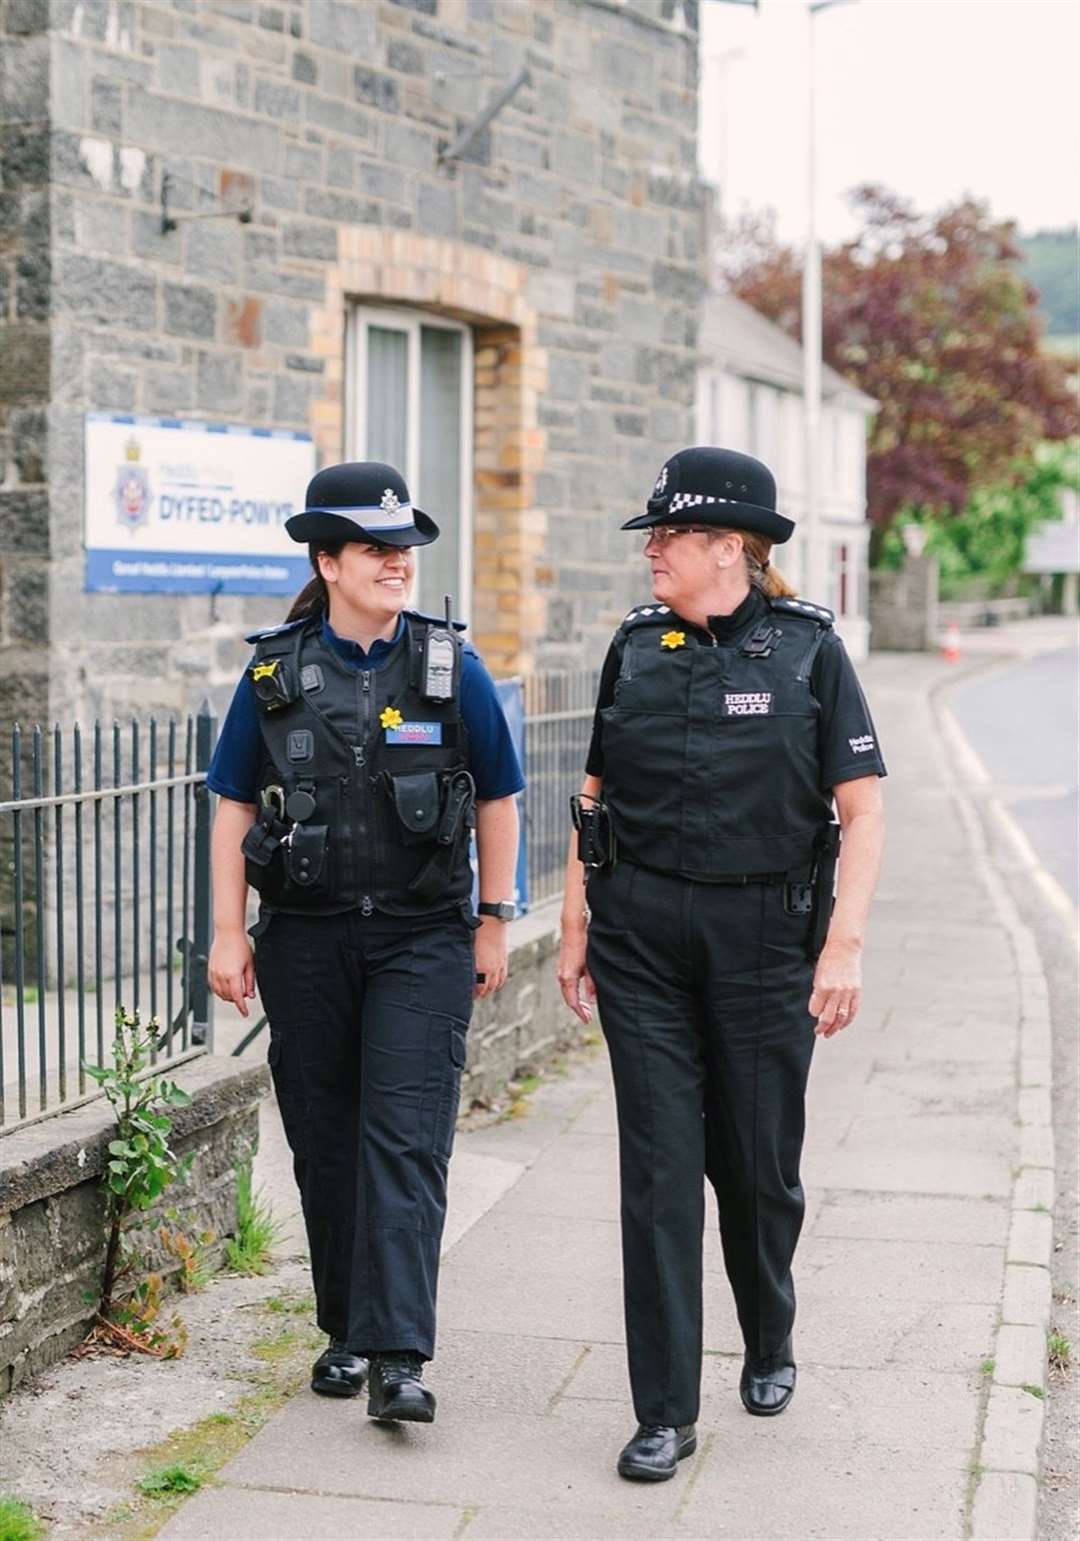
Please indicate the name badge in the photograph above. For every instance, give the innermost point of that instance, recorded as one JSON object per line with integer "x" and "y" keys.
{"x": 748, "y": 703}
{"x": 415, "y": 733}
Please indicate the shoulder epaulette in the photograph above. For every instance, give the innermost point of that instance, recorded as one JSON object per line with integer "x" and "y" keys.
{"x": 803, "y": 607}
{"x": 436, "y": 620}
{"x": 646, "y": 615}
{"x": 285, "y": 630}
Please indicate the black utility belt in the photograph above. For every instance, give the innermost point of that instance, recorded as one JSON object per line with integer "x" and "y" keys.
{"x": 803, "y": 874}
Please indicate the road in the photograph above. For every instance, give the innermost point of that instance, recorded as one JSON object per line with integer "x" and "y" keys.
{"x": 1022, "y": 720}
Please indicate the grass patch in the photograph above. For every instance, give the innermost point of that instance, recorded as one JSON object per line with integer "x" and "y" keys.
{"x": 285, "y": 1305}
{"x": 988, "y": 1366}
{"x": 1058, "y": 1351}
{"x": 170, "y": 1479}
{"x": 1035, "y": 1391}
{"x": 249, "y": 1251}
{"x": 277, "y": 1349}
{"x": 18, "y": 1522}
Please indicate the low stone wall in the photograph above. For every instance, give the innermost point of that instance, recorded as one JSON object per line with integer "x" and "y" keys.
{"x": 52, "y": 1205}
{"x": 524, "y": 1024}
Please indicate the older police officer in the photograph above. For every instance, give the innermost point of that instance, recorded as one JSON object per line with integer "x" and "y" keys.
{"x": 729, "y": 719}
{"x": 359, "y": 740}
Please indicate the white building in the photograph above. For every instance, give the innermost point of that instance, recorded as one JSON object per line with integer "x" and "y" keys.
{"x": 749, "y": 398}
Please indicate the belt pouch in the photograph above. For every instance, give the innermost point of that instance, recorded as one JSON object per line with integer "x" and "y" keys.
{"x": 417, "y": 800}
{"x": 260, "y": 843}
{"x": 305, "y": 853}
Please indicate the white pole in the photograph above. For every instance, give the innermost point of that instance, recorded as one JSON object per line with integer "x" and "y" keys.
{"x": 814, "y": 567}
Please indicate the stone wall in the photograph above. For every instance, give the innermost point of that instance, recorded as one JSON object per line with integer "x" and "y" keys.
{"x": 568, "y": 238}
{"x": 51, "y": 1205}
{"x": 904, "y": 606}
{"x": 25, "y": 283}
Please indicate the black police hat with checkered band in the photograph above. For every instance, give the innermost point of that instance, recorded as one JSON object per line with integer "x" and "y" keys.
{"x": 721, "y": 487}
{"x": 362, "y": 500}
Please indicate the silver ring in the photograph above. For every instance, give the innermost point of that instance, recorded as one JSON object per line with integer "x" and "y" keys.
{"x": 841, "y": 1011}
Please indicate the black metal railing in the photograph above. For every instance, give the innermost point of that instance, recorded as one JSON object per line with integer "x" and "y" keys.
{"x": 104, "y": 899}
{"x": 559, "y": 710}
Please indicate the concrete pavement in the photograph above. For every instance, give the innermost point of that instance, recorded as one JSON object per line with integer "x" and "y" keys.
{"x": 926, "y": 1170}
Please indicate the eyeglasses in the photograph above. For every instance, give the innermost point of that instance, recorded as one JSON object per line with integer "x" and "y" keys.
{"x": 660, "y": 534}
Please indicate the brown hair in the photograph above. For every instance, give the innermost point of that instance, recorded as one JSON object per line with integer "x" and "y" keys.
{"x": 763, "y": 575}
{"x": 313, "y": 598}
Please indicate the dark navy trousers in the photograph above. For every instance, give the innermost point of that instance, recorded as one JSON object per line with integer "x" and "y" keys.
{"x": 368, "y": 1021}
{"x": 703, "y": 994}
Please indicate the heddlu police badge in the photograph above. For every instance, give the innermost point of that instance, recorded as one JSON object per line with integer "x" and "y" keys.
{"x": 132, "y": 491}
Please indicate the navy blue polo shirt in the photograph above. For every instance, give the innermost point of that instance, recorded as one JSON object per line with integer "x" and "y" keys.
{"x": 493, "y": 760}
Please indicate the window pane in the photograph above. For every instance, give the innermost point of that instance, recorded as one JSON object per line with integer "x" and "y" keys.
{"x": 387, "y": 396}
{"x": 439, "y": 489}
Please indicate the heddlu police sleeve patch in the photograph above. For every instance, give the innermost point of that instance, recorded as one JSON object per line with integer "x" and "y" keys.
{"x": 415, "y": 733}
{"x": 748, "y": 703}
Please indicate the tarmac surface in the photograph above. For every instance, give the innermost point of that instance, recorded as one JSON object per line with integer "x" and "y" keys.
{"x": 928, "y": 1174}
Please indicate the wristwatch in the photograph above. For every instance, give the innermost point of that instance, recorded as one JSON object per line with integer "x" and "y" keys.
{"x": 505, "y": 910}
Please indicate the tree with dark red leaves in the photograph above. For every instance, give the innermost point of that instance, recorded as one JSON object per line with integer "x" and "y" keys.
{"x": 932, "y": 317}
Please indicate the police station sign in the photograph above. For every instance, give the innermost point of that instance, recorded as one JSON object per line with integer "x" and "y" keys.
{"x": 185, "y": 507}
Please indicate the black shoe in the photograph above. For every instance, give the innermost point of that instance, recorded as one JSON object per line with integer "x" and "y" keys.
{"x": 338, "y": 1372}
{"x": 767, "y": 1385}
{"x": 655, "y": 1450}
{"x": 395, "y": 1392}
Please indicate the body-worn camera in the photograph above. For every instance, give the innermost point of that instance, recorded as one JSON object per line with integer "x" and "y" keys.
{"x": 596, "y": 838}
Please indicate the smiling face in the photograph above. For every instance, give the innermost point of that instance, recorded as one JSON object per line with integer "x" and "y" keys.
{"x": 690, "y": 566}
{"x": 371, "y": 584}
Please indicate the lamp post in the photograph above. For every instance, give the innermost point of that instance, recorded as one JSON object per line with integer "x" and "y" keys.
{"x": 815, "y": 568}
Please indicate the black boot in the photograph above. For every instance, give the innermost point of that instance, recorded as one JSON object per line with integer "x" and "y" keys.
{"x": 395, "y": 1391}
{"x": 338, "y": 1372}
{"x": 767, "y": 1384}
{"x": 655, "y": 1450}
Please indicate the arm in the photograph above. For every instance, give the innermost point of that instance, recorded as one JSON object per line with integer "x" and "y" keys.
{"x": 496, "y": 850}
{"x": 838, "y": 976}
{"x": 230, "y": 967}
{"x": 573, "y": 973}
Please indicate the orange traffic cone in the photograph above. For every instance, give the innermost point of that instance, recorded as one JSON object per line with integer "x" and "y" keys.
{"x": 950, "y": 648}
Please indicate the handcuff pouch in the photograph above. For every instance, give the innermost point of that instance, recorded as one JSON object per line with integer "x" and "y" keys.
{"x": 417, "y": 801}
{"x": 305, "y": 853}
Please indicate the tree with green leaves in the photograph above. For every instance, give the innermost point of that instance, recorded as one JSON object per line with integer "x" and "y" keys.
{"x": 933, "y": 317}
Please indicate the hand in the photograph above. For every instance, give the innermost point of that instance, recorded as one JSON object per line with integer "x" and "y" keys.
{"x": 837, "y": 991}
{"x": 492, "y": 949}
{"x": 231, "y": 970}
{"x": 573, "y": 974}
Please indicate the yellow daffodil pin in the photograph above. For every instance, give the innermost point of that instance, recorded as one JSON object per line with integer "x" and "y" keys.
{"x": 673, "y": 639}
{"x": 390, "y": 717}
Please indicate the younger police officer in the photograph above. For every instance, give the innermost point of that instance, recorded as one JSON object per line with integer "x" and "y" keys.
{"x": 359, "y": 742}
{"x": 729, "y": 719}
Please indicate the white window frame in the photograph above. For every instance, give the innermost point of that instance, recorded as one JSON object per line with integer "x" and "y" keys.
{"x": 410, "y": 321}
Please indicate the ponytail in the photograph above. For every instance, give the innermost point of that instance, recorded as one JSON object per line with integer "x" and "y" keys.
{"x": 763, "y": 575}
{"x": 314, "y": 599}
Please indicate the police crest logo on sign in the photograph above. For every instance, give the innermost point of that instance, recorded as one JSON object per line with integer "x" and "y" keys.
{"x": 132, "y": 493}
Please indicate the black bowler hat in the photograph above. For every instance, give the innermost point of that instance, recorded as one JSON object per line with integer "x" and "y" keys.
{"x": 716, "y": 486}
{"x": 361, "y": 500}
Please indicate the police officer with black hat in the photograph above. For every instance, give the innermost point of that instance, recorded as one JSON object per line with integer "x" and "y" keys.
{"x": 728, "y": 723}
{"x": 363, "y": 744}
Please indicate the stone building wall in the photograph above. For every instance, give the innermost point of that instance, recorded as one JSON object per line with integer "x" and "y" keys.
{"x": 568, "y": 239}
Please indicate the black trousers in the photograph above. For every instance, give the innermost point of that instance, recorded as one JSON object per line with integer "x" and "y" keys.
{"x": 703, "y": 993}
{"x": 368, "y": 1017}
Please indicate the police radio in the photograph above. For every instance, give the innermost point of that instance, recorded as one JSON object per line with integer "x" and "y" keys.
{"x": 440, "y": 654}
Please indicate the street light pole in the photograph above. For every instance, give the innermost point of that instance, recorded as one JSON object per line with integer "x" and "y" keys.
{"x": 815, "y": 567}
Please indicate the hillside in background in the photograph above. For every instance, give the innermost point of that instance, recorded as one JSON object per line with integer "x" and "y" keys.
{"x": 1052, "y": 266}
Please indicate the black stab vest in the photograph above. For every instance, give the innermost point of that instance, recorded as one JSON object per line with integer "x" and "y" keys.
{"x": 379, "y": 763}
{"x": 711, "y": 764}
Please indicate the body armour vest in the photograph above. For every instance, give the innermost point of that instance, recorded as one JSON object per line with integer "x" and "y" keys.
{"x": 711, "y": 765}
{"x": 365, "y": 798}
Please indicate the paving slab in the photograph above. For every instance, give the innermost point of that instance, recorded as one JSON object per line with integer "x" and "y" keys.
{"x": 257, "y": 1514}
{"x": 908, "y": 1217}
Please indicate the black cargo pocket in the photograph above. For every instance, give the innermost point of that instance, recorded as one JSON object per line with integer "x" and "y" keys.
{"x": 417, "y": 800}
{"x": 450, "y": 1092}
{"x": 289, "y": 1090}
